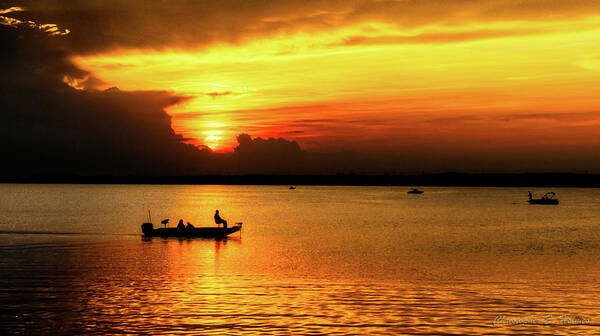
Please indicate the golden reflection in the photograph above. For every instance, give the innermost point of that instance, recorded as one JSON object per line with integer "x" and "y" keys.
{"x": 313, "y": 262}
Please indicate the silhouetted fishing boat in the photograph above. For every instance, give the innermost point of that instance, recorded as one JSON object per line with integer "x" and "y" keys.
{"x": 292, "y": 187}
{"x": 200, "y": 232}
{"x": 415, "y": 191}
{"x": 188, "y": 231}
{"x": 548, "y": 198}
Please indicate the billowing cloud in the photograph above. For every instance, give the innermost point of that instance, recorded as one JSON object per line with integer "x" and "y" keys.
{"x": 50, "y": 127}
{"x": 270, "y": 156}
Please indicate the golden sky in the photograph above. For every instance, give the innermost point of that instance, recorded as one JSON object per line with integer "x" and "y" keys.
{"x": 374, "y": 74}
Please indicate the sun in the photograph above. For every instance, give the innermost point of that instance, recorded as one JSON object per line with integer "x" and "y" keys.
{"x": 213, "y": 135}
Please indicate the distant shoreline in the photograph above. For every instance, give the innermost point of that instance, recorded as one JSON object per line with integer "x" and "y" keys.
{"x": 441, "y": 179}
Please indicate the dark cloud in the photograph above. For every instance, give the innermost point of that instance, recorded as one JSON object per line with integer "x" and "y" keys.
{"x": 270, "y": 156}
{"x": 50, "y": 127}
{"x": 101, "y": 25}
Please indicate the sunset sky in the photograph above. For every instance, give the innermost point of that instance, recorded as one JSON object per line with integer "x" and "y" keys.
{"x": 385, "y": 75}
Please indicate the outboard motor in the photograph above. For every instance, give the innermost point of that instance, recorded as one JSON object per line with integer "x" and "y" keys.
{"x": 147, "y": 229}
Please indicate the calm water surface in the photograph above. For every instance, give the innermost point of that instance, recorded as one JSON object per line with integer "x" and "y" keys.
{"x": 315, "y": 260}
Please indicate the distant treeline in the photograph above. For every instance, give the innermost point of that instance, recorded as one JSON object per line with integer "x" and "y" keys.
{"x": 442, "y": 179}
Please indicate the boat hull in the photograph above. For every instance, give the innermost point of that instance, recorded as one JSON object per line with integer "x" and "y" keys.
{"x": 543, "y": 201}
{"x": 201, "y": 232}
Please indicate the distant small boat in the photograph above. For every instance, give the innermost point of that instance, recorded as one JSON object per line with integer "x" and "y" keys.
{"x": 292, "y": 187}
{"x": 415, "y": 191}
{"x": 548, "y": 198}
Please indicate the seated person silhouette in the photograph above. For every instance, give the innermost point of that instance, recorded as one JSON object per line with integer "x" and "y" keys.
{"x": 180, "y": 226}
{"x": 189, "y": 226}
{"x": 220, "y": 220}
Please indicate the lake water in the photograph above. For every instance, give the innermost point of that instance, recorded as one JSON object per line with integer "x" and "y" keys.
{"x": 315, "y": 260}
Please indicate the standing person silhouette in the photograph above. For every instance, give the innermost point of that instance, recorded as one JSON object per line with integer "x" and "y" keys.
{"x": 220, "y": 220}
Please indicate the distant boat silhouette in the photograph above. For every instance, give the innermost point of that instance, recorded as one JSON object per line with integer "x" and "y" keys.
{"x": 548, "y": 198}
{"x": 415, "y": 191}
{"x": 292, "y": 187}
